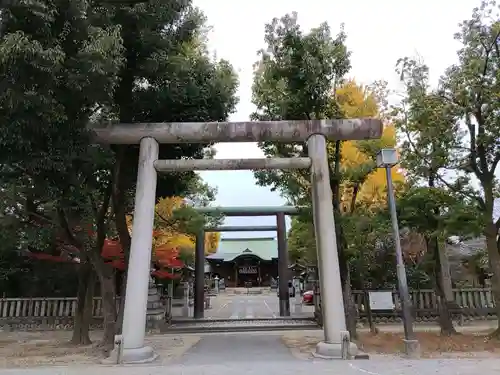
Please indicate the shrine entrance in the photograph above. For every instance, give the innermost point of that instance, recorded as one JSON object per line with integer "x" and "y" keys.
{"x": 315, "y": 133}
{"x": 247, "y": 266}
{"x": 247, "y": 269}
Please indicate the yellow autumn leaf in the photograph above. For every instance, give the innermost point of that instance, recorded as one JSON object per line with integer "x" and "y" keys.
{"x": 356, "y": 102}
{"x": 166, "y": 233}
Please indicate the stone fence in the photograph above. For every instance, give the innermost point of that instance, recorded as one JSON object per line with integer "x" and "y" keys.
{"x": 471, "y": 303}
{"x": 50, "y": 313}
{"x": 45, "y": 307}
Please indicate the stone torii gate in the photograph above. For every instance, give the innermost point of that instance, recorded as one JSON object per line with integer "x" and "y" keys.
{"x": 279, "y": 228}
{"x": 315, "y": 132}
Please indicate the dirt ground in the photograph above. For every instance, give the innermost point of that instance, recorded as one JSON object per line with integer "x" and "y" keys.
{"x": 432, "y": 344}
{"x": 30, "y": 349}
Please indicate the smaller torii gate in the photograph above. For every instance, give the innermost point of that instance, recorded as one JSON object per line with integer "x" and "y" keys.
{"x": 315, "y": 132}
{"x": 280, "y": 212}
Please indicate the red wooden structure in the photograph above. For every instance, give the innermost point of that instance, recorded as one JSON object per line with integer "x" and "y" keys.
{"x": 165, "y": 258}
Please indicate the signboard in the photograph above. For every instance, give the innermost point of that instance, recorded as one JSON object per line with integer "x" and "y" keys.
{"x": 381, "y": 301}
{"x": 248, "y": 270}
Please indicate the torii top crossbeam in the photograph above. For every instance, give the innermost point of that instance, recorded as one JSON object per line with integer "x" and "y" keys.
{"x": 248, "y": 131}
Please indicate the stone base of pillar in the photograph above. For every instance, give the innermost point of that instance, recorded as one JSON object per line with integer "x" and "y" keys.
{"x": 327, "y": 350}
{"x": 412, "y": 349}
{"x": 345, "y": 349}
{"x": 145, "y": 354}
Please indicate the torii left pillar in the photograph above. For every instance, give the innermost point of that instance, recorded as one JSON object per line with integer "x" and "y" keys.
{"x": 132, "y": 349}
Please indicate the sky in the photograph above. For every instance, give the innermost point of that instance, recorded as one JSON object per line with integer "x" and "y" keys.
{"x": 378, "y": 33}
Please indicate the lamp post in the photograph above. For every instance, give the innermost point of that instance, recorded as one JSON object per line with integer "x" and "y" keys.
{"x": 387, "y": 158}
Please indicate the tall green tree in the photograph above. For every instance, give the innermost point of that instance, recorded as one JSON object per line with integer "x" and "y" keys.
{"x": 57, "y": 67}
{"x": 472, "y": 88}
{"x": 424, "y": 120}
{"x": 167, "y": 76}
{"x": 296, "y": 79}
{"x": 66, "y": 64}
{"x": 452, "y": 133}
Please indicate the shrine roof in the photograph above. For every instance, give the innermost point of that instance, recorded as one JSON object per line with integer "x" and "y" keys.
{"x": 231, "y": 248}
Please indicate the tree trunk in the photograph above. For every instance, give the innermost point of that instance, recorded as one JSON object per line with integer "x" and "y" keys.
{"x": 345, "y": 277}
{"x": 108, "y": 294}
{"x": 366, "y": 295}
{"x": 446, "y": 276}
{"x": 442, "y": 278}
{"x": 120, "y": 213}
{"x": 121, "y": 310}
{"x": 493, "y": 247}
{"x": 369, "y": 312}
{"x": 350, "y": 307}
{"x": 109, "y": 310}
{"x": 85, "y": 296}
{"x": 445, "y": 318}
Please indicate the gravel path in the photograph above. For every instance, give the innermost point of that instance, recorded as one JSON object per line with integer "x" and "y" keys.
{"x": 35, "y": 349}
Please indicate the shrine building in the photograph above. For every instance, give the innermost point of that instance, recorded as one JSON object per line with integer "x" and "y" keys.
{"x": 240, "y": 261}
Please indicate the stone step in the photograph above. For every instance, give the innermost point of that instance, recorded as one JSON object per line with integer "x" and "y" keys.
{"x": 242, "y": 325}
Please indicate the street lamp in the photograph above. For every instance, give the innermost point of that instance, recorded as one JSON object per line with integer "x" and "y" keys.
{"x": 387, "y": 158}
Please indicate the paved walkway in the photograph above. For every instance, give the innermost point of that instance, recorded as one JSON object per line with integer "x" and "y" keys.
{"x": 231, "y": 348}
{"x": 253, "y": 306}
{"x": 281, "y": 367}
{"x": 254, "y": 354}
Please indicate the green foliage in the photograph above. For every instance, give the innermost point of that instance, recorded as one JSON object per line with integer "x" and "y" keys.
{"x": 168, "y": 76}
{"x": 302, "y": 242}
{"x": 294, "y": 80}
{"x": 297, "y": 71}
{"x": 66, "y": 64}
{"x": 371, "y": 252}
{"x": 199, "y": 193}
{"x": 435, "y": 212}
{"x": 456, "y": 126}
{"x": 427, "y": 125}
{"x": 56, "y": 67}
{"x": 450, "y": 137}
